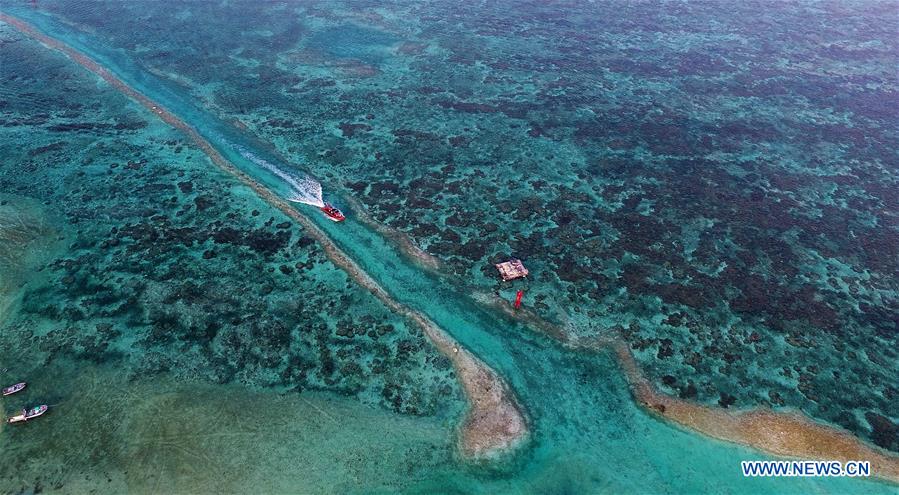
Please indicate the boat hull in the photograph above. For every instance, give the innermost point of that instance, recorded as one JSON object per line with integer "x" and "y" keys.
{"x": 14, "y": 388}
{"x": 32, "y": 413}
{"x": 332, "y": 213}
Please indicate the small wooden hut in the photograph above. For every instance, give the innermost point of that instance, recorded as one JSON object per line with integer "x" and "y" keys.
{"x": 512, "y": 269}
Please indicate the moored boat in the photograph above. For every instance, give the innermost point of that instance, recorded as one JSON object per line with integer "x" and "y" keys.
{"x": 14, "y": 388}
{"x": 28, "y": 414}
{"x": 333, "y": 213}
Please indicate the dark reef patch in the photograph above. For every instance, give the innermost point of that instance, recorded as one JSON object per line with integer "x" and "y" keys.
{"x": 171, "y": 268}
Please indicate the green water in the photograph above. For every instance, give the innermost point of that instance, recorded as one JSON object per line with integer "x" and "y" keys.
{"x": 166, "y": 433}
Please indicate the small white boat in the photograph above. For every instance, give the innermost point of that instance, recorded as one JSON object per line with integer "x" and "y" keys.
{"x": 28, "y": 414}
{"x": 14, "y": 388}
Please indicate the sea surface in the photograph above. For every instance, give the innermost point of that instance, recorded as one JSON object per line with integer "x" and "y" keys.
{"x": 714, "y": 184}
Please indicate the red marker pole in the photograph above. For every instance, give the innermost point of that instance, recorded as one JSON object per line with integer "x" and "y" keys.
{"x": 518, "y": 299}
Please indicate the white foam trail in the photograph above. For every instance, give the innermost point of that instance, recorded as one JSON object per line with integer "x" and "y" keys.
{"x": 304, "y": 189}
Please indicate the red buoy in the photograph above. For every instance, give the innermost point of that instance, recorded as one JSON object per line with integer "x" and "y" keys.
{"x": 518, "y": 299}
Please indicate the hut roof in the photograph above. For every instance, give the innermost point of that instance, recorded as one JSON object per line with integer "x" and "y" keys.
{"x": 512, "y": 269}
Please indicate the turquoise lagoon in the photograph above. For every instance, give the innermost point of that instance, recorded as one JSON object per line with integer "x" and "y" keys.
{"x": 190, "y": 338}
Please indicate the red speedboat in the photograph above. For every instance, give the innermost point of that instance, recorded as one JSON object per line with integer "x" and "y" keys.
{"x": 333, "y": 213}
{"x": 13, "y": 388}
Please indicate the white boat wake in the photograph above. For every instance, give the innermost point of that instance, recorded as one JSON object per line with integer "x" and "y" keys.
{"x": 304, "y": 189}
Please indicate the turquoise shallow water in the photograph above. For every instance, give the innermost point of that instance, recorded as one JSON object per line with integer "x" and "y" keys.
{"x": 716, "y": 184}
{"x": 588, "y": 434}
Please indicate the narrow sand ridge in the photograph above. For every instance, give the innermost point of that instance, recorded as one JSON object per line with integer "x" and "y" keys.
{"x": 494, "y": 422}
{"x": 790, "y": 435}
{"x": 401, "y": 240}
{"x": 785, "y": 434}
